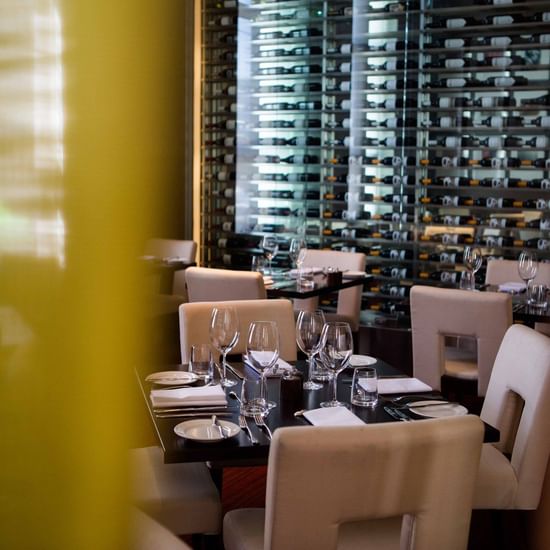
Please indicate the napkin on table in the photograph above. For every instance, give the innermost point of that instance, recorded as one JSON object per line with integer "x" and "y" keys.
{"x": 278, "y": 369}
{"x": 511, "y": 287}
{"x": 333, "y": 416}
{"x": 402, "y": 385}
{"x": 314, "y": 270}
{"x": 177, "y": 397}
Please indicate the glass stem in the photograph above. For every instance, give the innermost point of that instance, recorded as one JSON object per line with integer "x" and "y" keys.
{"x": 310, "y": 367}
{"x": 224, "y": 372}
{"x": 334, "y": 384}
{"x": 263, "y": 388}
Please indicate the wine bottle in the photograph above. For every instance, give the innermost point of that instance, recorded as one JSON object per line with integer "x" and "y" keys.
{"x": 446, "y": 277}
{"x": 344, "y": 11}
{"x": 498, "y": 202}
{"x": 453, "y": 181}
{"x": 452, "y": 63}
{"x": 539, "y": 183}
{"x": 452, "y": 121}
{"x": 497, "y": 142}
{"x": 304, "y": 177}
{"x": 227, "y": 124}
{"x": 228, "y": 74}
{"x": 541, "y": 100}
{"x": 395, "y": 290}
{"x": 226, "y": 193}
{"x": 399, "y": 84}
{"x": 304, "y": 33}
{"x": 399, "y": 7}
{"x": 488, "y": 101}
{"x": 398, "y": 45}
{"x": 541, "y": 121}
{"x": 224, "y": 175}
{"x": 448, "y": 219}
{"x": 542, "y": 163}
{"x": 454, "y": 83}
{"x": 222, "y": 159}
{"x": 224, "y": 21}
{"x": 398, "y": 122}
{"x": 502, "y": 122}
{"x": 446, "y": 161}
{"x": 398, "y": 103}
{"x": 397, "y": 199}
{"x": 230, "y": 90}
{"x": 276, "y": 193}
{"x": 504, "y": 62}
{"x": 306, "y": 69}
{"x": 276, "y": 141}
{"x": 506, "y": 81}
{"x": 540, "y": 244}
{"x": 301, "y": 159}
{"x": 398, "y": 217}
{"x": 304, "y": 140}
{"x": 503, "y": 183}
{"x": 395, "y": 254}
{"x": 396, "y": 272}
{"x": 494, "y": 242}
{"x": 228, "y": 38}
{"x": 309, "y": 105}
{"x": 447, "y": 200}
{"x": 508, "y": 19}
{"x": 307, "y": 50}
{"x": 398, "y": 141}
{"x": 451, "y": 23}
{"x": 395, "y": 65}
{"x": 541, "y": 142}
{"x": 455, "y": 141}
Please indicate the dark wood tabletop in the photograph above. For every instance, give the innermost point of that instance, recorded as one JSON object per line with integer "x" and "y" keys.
{"x": 239, "y": 450}
{"x": 289, "y": 288}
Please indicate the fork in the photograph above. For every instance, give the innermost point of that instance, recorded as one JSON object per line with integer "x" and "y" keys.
{"x": 244, "y": 426}
{"x": 258, "y": 418}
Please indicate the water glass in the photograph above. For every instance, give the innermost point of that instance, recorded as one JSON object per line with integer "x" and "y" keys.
{"x": 467, "y": 281}
{"x": 296, "y": 246}
{"x": 224, "y": 335}
{"x": 308, "y": 337}
{"x": 364, "y": 387}
{"x": 306, "y": 280}
{"x": 252, "y": 400}
{"x": 527, "y": 268}
{"x": 201, "y": 362}
{"x": 258, "y": 264}
{"x": 537, "y": 296}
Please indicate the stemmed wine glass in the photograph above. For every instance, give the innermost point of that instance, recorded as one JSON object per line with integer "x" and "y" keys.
{"x": 270, "y": 246}
{"x": 335, "y": 351}
{"x": 527, "y": 268}
{"x": 296, "y": 246}
{"x": 262, "y": 350}
{"x": 308, "y": 337}
{"x": 224, "y": 334}
{"x": 473, "y": 260}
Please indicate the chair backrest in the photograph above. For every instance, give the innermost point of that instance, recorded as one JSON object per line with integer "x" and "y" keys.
{"x": 349, "y": 300}
{"x": 522, "y": 368}
{"x": 506, "y": 271}
{"x": 440, "y": 312}
{"x": 195, "y": 324}
{"x": 172, "y": 248}
{"x": 209, "y": 285}
{"x": 328, "y": 483}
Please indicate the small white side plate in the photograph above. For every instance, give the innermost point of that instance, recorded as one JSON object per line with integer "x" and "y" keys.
{"x": 437, "y": 410}
{"x": 362, "y": 360}
{"x": 172, "y": 378}
{"x": 201, "y": 429}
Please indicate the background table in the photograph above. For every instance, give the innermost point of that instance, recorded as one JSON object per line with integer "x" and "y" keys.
{"x": 287, "y": 288}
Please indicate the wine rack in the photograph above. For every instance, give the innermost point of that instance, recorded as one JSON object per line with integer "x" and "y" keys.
{"x": 406, "y": 130}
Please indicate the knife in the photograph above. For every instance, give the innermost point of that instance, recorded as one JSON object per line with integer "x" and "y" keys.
{"x": 397, "y": 415}
{"x": 191, "y": 415}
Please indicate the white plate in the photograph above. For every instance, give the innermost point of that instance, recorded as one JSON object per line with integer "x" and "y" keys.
{"x": 437, "y": 410}
{"x": 172, "y": 378}
{"x": 201, "y": 429}
{"x": 362, "y": 361}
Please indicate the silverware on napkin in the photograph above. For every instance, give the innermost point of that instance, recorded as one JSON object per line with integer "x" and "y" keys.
{"x": 204, "y": 414}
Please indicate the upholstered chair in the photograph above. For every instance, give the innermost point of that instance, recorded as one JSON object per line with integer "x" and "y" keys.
{"x": 349, "y": 300}
{"x": 195, "y": 323}
{"x": 210, "y": 285}
{"x": 518, "y": 404}
{"x": 397, "y": 485}
{"x": 506, "y": 271}
{"x": 182, "y": 497}
{"x": 438, "y": 313}
{"x": 171, "y": 248}
{"x": 148, "y": 534}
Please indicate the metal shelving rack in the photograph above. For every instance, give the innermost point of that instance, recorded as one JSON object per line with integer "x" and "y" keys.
{"x": 386, "y": 160}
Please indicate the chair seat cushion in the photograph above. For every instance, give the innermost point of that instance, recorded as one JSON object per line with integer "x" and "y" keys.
{"x": 461, "y": 363}
{"x": 496, "y": 483}
{"x": 244, "y": 529}
{"x": 182, "y": 497}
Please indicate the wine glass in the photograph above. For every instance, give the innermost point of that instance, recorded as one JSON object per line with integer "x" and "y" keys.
{"x": 296, "y": 246}
{"x": 224, "y": 334}
{"x": 527, "y": 268}
{"x": 270, "y": 246}
{"x": 308, "y": 337}
{"x": 335, "y": 351}
{"x": 473, "y": 258}
{"x": 262, "y": 350}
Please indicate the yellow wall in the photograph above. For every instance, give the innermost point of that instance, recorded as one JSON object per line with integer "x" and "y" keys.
{"x": 90, "y": 154}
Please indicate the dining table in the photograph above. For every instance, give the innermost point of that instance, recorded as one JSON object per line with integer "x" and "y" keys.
{"x": 284, "y": 285}
{"x": 240, "y": 450}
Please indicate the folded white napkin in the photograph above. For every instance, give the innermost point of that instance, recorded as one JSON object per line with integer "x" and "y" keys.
{"x": 277, "y": 369}
{"x": 402, "y": 385}
{"x": 203, "y": 395}
{"x": 511, "y": 287}
{"x": 314, "y": 270}
{"x": 332, "y": 416}
{"x": 353, "y": 274}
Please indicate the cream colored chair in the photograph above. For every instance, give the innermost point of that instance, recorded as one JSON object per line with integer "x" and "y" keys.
{"x": 506, "y": 271}
{"x": 209, "y": 285}
{"x": 195, "y": 323}
{"x": 171, "y": 249}
{"x": 349, "y": 300}
{"x": 148, "y": 534}
{"x": 365, "y": 487}
{"x": 182, "y": 497}
{"x": 437, "y": 313}
{"x": 518, "y": 404}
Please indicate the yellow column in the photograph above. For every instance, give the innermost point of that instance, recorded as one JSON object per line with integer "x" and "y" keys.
{"x": 90, "y": 143}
